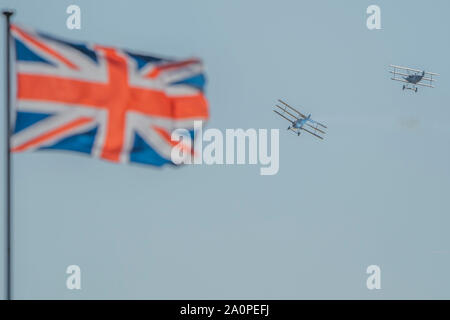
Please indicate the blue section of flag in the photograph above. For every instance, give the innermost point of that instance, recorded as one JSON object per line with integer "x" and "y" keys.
{"x": 23, "y": 53}
{"x": 26, "y": 119}
{"x": 81, "y": 142}
{"x": 142, "y": 60}
{"x": 192, "y": 134}
{"x": 143, "y": 153}
{"x": 81, "y": 47}
{"x": 197, "y": 81}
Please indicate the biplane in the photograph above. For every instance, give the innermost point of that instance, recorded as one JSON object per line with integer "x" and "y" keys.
{"x": 299, "y": 121}
{"x": 412, "y": 77}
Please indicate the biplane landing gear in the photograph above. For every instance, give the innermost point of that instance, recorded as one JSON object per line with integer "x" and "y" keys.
{"x": 288, "y": 128}
{"x": 415, "y": 90}
{"x": 298, "y": 133}
{"x": 404, "y": 87}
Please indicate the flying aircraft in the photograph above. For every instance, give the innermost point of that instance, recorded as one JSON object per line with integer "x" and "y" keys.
{"x": 412, "y": 77}
{"x": 299, "y": 121}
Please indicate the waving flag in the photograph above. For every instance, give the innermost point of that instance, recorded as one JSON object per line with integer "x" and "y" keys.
{"x": 106, "y": 102}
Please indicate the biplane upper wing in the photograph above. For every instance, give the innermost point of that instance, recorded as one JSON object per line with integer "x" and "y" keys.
{"x": 414, "y": 70}
{"x": 404, "y": 68}
{"x": 283, "y": 116}
{"x": 298, "y": 112}
{"x": 430, "y": 74}
{"x": 285, "y": 111}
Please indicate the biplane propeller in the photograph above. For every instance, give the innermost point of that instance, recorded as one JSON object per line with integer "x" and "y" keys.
{"x": 299, "y": 121}
{"x": 412, "y": 77}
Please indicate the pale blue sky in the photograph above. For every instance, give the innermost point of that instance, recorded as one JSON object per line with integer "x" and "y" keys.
{"x": 375, "y": 191}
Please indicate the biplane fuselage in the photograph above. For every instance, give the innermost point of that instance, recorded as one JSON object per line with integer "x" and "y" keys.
{"x": 298, "y": 124}
{"x": 414, "y": 78}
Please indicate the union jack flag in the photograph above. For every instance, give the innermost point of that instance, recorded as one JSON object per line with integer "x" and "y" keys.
{"x": 106, "y": 102}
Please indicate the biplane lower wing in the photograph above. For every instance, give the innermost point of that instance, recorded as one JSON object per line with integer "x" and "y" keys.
{"x": 312, "y": 133}
{"x": 405, "y": 75}
{"x": 318, "y": 123}
{"x": 415, "y": 84}
{"x": 315, "y": 128}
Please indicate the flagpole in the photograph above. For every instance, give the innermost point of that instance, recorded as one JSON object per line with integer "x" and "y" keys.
{"x": 8, "y": 14}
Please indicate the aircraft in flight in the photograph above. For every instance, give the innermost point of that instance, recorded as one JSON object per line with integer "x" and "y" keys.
{"x": 299, "y": 121}
{"x": 412, "y": 77}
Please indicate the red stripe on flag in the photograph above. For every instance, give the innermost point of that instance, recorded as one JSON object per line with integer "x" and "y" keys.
{"x": 171, "y": 65}
{"x": 91, "y": 94}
